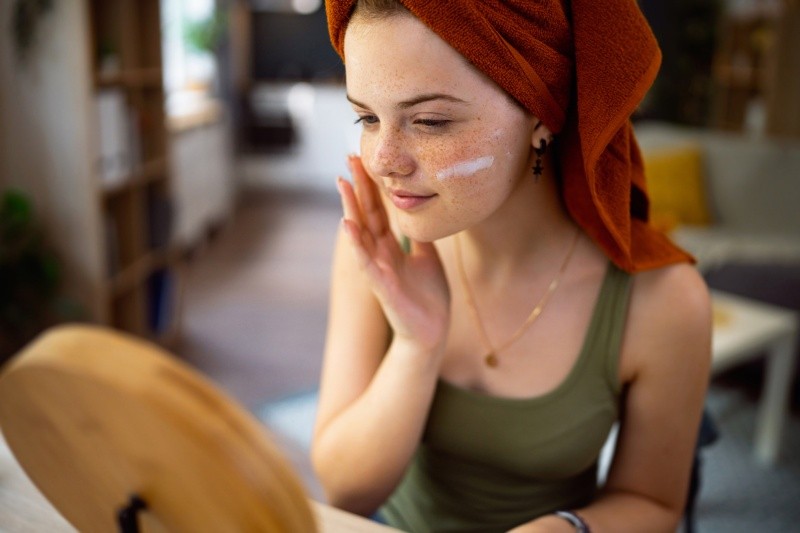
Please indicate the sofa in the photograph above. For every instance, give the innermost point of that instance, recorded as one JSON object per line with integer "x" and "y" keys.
{"x": 742, "y": 193}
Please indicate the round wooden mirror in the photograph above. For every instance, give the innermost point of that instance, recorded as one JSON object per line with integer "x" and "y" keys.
{"x": 112, "y": 428}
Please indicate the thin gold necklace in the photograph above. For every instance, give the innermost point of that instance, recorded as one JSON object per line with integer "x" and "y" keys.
{"x": 491, "y": 357}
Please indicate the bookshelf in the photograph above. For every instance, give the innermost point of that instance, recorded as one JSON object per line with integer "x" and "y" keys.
{"x": 783, "y": 105}
{"x": 757, "y": 63}
{"x": 739, "y": 67}
{"x": 141, "y": 285}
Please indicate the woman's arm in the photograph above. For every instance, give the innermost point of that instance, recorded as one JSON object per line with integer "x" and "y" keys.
{"x": 374, "y": 402}
{"x": 372, "y": 406}
{"x": 668, "y": 342}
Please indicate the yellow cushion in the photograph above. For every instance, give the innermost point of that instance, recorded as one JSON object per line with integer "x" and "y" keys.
{"x": 676, "y": 186}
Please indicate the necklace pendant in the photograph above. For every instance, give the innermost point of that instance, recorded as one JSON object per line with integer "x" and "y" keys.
{"x": 491, "y": 360}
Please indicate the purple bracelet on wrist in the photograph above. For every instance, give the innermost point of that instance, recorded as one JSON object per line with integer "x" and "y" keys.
{"x": 575, "y": 520}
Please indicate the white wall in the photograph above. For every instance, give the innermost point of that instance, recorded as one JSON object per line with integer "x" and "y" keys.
{"x": 324, "y": 122}
{"x": 45, "y": 137}
{"x": 201, "y": 159}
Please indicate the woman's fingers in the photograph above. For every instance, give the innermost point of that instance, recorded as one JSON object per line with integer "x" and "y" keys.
{"x": 374, "y": 268}
{"x": 362, "y": 182}
{"x": 372, "y": 209}
{"x": 410, "y": 287}
{"x": 354, "y": 233}
{"x": 353, "y": 214}
{"x": 362, "y": 204}
{"x": 374, "y": 212}
{"x": 350, "y": 206}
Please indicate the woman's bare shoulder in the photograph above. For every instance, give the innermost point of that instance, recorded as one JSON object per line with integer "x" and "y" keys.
{"x": 673, "y": 289}
{"x": 670, "y": 317}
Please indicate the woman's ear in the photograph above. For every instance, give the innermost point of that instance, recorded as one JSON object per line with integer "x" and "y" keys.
{"x": 540, "y": 133}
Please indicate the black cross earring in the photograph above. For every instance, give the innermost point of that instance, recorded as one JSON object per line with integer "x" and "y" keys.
{"x": 538, "y": 168}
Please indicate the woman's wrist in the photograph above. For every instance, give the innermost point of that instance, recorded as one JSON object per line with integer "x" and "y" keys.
{"x": 574, "y": 520}
{"x": 412, "y": 346}
{"x": 549, "y": 523}
{"x": 417, "y": 355}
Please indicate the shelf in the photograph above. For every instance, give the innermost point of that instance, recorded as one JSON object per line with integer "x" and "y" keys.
{"x": 151, "y": 171}
{"x": 132, "y": 188}
{"x": 162, "y": 297}
{"x": 140, "y": 77}
{"x": 126, "y": 39}
{"x": 127, "y": 312}
{"x": 145, "y": 297}
{"x": 738, "y": 77}
{"x": 128, "y": 278}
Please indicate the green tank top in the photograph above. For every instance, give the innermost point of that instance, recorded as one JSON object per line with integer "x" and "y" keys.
{"x": 488, "y": 464}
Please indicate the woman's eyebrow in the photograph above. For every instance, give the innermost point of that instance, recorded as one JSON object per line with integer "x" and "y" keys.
{"x": 405, "y": 104}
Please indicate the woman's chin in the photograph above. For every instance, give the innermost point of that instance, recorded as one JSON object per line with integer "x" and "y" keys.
{"x": 424, "y": 233}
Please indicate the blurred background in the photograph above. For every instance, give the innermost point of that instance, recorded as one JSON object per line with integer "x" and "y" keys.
{"x": 167, "y": 168}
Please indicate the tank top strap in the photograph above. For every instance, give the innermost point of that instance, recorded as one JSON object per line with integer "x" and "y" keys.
{"x": 604, "y": 336}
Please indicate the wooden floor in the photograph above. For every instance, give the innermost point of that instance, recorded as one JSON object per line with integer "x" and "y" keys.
{"x": 256, "y": 296}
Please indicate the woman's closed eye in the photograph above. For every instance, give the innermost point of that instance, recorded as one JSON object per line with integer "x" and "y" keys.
{"x": 366, "y": 120}
{"x": 432, "y": 122}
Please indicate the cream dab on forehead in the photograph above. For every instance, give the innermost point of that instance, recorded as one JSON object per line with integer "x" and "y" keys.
{"x": 465, "y": 169}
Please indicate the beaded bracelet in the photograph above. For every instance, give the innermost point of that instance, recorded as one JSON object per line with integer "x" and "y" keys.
{"x": 575, "y": 520}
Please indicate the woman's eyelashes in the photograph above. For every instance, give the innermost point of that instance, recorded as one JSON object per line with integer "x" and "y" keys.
{"x": 428, "y": 123}
{"x": 366, "y": 120}
{"x": 435, "y": 123}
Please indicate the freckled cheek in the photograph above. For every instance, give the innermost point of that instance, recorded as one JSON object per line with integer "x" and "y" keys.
{"x": 483, "y": 188}
{"x": 479, "y": 186}
{"x": 441, "y": 154}
{"x": 429, "y": 155}
{"x": 436, "y": 155}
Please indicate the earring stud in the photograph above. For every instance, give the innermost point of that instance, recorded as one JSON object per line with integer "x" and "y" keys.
{"x": 538, "y": 168}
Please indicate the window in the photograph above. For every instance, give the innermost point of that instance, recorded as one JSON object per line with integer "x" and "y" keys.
{"x": 189, "y": 32}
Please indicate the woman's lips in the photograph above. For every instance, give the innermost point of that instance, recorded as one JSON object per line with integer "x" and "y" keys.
{"x": 409, "y": 200}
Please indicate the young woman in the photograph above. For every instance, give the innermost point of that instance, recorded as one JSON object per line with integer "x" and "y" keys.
{"x": 471, "y": 380}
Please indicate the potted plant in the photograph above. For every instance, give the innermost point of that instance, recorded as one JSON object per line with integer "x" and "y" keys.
{"x": 25, "y": 19}
{"x": 30, "y": 277}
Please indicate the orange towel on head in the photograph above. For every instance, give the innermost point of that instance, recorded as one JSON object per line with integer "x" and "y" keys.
{"x": 582, "y": 67}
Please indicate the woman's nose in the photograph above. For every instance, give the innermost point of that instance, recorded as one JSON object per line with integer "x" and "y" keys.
{"x": 390, "y": 156}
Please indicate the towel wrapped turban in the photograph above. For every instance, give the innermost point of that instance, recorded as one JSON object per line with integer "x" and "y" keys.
{"x": 582, "y": 67}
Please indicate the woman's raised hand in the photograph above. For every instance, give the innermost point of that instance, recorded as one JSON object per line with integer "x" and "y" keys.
{"x": 411, "y": 288}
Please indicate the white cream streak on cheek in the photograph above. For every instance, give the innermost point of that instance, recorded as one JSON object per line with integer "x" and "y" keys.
{"x": 466, "y": 168}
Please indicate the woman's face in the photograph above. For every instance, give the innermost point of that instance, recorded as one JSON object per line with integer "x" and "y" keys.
{"x": 444, "y": 143}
